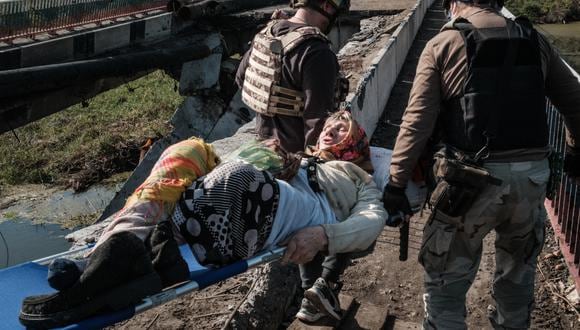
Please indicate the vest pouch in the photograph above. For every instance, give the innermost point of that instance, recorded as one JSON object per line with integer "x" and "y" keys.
{"x": 438, "y": 235}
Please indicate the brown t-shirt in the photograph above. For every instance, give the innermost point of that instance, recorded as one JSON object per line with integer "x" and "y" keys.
{"x": 311, "y": 67}
{"x": 440, "y": 76}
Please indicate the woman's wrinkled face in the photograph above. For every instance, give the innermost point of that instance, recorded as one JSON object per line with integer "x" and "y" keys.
{"x": 334, "y": 131}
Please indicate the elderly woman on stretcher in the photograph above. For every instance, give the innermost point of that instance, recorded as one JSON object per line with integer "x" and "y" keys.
{"x": 258, "y": 198}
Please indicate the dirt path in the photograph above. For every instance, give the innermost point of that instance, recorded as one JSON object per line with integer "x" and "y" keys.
{"x": 381, "y": 279}
{"x": 399, "y": 285}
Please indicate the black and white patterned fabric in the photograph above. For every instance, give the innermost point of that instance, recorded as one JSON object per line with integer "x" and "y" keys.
{"x": 227, "y": 215}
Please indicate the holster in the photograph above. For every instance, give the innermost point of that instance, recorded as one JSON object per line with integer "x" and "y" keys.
{"x": 459, "y": 184}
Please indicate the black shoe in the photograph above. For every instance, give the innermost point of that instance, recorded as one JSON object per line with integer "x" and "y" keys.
{"x": 308, "y": 312}
{"x": 119, "y": 273}
{"x": 324, "y": 298}
{"x": 61, "y": 309}
{"x": 165, "y": 256}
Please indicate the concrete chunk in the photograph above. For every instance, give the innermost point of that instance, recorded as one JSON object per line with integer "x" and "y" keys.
{"x": 203, "y": 73}
{"x": 158, "y": 26}
{"x": 62, "y": 32}
{"x": 21, "y": 41}
{"x": 42, "y": 37}
{"x": 199, "y": 74}
{"x": 367, "y": 316}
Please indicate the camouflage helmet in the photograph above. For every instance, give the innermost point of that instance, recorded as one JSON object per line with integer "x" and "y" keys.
{"x": 342, "y": 6}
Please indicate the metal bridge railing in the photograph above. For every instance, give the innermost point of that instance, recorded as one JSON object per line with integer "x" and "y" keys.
{"x": 564, "y": 206}
{"x": 25, "y": 18}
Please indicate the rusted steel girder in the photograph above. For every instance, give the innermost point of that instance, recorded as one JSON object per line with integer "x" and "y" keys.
{"x": 188, "y": 10}
{"x": 21, "y": 82}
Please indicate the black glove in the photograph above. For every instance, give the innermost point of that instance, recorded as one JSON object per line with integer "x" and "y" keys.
{"x": 572, "y": 162}
{"x": 397, "y": 205}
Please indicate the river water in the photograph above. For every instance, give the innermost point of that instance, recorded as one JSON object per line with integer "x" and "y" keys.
{"x": 24, "y": 241}
{"x": 31, "y": 221}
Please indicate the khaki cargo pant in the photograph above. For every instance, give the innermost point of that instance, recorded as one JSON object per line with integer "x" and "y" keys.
{"x": 451, "y": 249}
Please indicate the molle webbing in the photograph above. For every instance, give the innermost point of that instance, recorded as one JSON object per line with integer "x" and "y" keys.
{"x": 503, "y": 101}
{"x": 261, "y": 90}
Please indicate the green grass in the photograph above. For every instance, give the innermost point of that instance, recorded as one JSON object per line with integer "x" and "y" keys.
{"x": 570, "y": 30}
{"x": 10, "y": 215}
{"x": 97, "y": 139}
{"x": 566, "y": 38}
{"x": 79, "y": 221}
{"x": 547, "y": 11}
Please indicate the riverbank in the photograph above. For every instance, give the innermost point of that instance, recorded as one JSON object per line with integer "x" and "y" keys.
{"x": 90, "y": 142}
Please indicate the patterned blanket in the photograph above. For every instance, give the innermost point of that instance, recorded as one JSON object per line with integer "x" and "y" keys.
{"x": 176, "y": 169}
{"x": 154, "y": 200}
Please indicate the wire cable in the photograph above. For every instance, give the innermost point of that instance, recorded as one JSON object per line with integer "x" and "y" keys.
{"x": 7, "y": 250}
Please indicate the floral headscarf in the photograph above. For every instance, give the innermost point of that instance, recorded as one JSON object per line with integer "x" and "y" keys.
{"x": 353, "y": 148}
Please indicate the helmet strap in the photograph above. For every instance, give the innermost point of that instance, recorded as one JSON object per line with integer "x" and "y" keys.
{"x": 320, "y": 10}
{"x": 331, "y": 18}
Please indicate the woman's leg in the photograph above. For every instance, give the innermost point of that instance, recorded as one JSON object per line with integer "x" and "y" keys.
{"x": 311, "y": 271}
{"x": 138, "y": 219}
{"x": 334, "y": 266}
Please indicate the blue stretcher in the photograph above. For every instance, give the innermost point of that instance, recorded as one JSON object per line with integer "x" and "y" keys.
{"x": 29, "y": 278}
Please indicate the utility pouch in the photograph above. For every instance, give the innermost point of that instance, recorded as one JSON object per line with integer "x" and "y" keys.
{"x": 461, "y": 173}
{"x": 459, "y": 185}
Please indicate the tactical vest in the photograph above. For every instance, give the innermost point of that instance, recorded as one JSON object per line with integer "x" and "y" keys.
{"x": 261, "y": 89}
{"x": 503, "y": 101}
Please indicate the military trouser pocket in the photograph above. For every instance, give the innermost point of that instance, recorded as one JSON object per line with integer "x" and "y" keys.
{"x": 540, "y": 178}
{"x": 437, "y": 238}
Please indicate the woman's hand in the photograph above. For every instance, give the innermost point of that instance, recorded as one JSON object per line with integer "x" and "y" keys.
{"x": 305, "y": 244}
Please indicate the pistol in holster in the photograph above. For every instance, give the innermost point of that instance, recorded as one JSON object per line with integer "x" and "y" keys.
{"x": 459, "y": 184}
